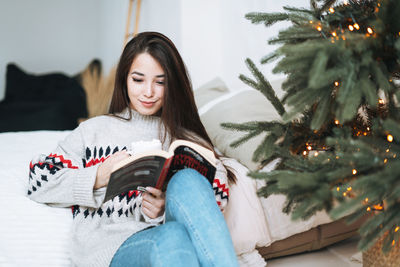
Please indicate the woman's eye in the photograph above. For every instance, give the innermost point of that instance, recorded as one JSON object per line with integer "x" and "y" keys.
{"x": 137, "y": 80}
{"x": 161, "y": 82}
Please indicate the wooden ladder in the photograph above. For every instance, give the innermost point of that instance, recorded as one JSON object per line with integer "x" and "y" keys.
{"x": 128, "y": 21}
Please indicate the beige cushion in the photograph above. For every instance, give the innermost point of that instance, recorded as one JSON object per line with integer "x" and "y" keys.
{"x": 210, "y": 91}
{"x": 237, "y": 107}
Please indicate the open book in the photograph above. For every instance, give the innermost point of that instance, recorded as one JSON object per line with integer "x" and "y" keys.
{"x": 155, "y": 168}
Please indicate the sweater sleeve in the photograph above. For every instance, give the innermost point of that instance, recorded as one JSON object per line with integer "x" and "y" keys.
{"x": 221, "y": 186}
{"x": 60, "y": 179}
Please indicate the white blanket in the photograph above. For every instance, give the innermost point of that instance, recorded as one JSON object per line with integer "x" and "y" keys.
{"x": 31, "y": 234}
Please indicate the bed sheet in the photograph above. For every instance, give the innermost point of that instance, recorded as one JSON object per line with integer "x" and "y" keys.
{"x": 31, "y": 234}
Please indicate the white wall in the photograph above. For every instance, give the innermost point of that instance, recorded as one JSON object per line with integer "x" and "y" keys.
{"x": 217, "y": 38}
{"x": 213, "y": 36}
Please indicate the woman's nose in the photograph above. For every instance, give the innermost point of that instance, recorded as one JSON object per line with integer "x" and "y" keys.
{"x": 149, "y": 90}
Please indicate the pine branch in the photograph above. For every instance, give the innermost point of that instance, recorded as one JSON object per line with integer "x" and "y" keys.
{"x": 265, "y": 87}
{"x": 267, "y": 18}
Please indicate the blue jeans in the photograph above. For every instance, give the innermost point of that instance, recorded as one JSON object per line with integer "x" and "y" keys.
{"x": 194, "y": 234}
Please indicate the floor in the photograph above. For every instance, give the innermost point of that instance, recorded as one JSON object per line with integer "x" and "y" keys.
{"x": 342, "y": 254}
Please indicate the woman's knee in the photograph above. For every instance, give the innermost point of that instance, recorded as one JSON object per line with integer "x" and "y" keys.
{"x": 187, "y": 178}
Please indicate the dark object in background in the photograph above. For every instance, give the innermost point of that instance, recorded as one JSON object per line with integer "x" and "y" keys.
{"x": 41, "y": 102}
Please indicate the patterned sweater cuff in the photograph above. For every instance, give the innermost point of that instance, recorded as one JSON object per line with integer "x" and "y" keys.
{"x": 83, "y": 188}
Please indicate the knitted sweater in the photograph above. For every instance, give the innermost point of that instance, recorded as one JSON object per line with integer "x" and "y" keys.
{"x": 65, "y": 178}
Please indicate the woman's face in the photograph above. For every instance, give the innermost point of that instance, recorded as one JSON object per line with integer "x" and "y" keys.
{"x": 145, "y": 84}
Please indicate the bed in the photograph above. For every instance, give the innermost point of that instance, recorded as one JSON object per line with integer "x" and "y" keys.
{"x": 34, "y": 234}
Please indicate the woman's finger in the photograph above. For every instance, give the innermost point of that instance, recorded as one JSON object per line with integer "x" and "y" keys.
{"x": 149, "y": 213}
{"x": 154, "y": 191}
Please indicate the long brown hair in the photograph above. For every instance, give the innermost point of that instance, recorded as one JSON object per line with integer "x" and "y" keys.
{"x": 179, "y": 112}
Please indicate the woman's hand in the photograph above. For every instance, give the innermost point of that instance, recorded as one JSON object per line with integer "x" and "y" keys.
{"x": 105, "y": 168}
{"x": 153, "y": 204}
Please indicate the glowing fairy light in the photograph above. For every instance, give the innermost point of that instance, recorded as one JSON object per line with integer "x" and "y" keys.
{"x": 309, "y": 148}
{"x": 390, "y": 138}
{"x": 316, "y": 154}
{"x": 396, "y": 229}
{"x": 349, "y": 188}
{"x": 319, "y": 28}
{"x": 304, "y": 153}
{"x": 366, "y": 199}
{"x": 393, "y": 242}
{"x": 338, "y": 188}
{"x": 356, "y": 26}
{"x": 351, "y": 28}
{"x": 336, "y": 122}
{"x": 336, "y": 83}
{"x": 381, "y": 101}
{"x": 378, "y": 207}
{"x": 368, "y": 209}
{"x": 334, "y": 34}
{"x": 385, "y": 161}
{"x": 369, "y": 30}
{"x": 354, "y": 171}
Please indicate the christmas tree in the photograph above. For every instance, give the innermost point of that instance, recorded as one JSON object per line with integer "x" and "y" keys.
{"x": 339, "y": 136}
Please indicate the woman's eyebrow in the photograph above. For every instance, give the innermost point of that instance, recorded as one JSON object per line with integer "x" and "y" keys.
{"x": 138, "y": 73}
{"x": 141, "y": 74}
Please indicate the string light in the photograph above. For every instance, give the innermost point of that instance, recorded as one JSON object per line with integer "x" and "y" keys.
{"x": 369, "y": 30}
{"x": 331, "y": 10}
{"x": 396, "y": 229}
{"x": 309, "y": 148}
{"x": 378, "y": 207}
{"x": 304, "y": 153}
{"x": 356, "y": 26}
{"x": 385, "y": 161}
{"x": 336, "y": 83}
{"x": 387, "y": 150}
{"x": 349, "y": 188}
{"x": 338, "y": 188}
{"x": 311, "y": 22}
{"x": 345, "y": 2}
{"x": 351, "y": 28}
{"x": 368, "y": 209}
{"x": 319, "y": 28}
{"x": 344, "y": 194}
{"x": 334, "y": 34}
{"x": 336, "y": 122}
{"x": 366, "y": 199}
{"x": 368, "y": 128}
{"x": 381, "y": 101}
{"x": 354, "y": 171}
{"x": 393, "y": 242}
{"x": 390, "y": 138}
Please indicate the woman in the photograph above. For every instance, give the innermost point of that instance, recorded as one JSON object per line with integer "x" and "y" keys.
{"x": 152, "y": 98}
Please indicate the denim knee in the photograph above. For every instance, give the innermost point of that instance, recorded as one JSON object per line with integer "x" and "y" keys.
{"x": 185, "y": 179}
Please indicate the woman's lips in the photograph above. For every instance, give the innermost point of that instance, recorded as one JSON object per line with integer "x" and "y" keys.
{"x": 148, "y": 104}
